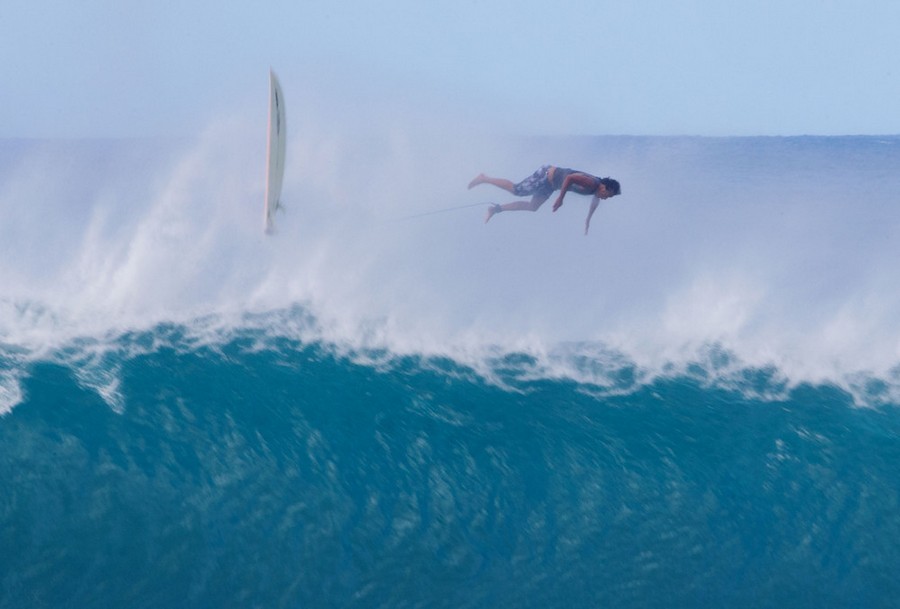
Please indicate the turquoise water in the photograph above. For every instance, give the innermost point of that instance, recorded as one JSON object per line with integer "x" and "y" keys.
{"x": 292, "y": 477}
{"x": 695, "y": 406}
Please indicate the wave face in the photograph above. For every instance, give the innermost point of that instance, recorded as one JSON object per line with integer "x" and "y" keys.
{"x": 383, "y": 406}
{"x": 285, "y": 475}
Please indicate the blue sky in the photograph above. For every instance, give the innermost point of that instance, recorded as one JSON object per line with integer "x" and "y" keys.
{"x": 643, "y": 67}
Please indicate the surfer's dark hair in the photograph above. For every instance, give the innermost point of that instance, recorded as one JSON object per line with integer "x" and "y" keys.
{"x": 612, "y": 186}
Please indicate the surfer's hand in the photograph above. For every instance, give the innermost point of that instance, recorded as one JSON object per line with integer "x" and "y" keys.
{"x": 558, "y": 203}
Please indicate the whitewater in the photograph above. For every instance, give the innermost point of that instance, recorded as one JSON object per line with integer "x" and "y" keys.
{"x": 389, "y": 403}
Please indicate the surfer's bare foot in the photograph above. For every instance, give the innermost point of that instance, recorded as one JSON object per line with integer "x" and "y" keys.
{"x": 479, "y": 179}
{"x": 493, "y": 209}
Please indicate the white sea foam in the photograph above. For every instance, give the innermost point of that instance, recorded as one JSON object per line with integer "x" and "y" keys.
{"x": 777, "y": 251}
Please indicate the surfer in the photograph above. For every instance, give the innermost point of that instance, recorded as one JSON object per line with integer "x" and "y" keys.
{"x": 543, "y": 183}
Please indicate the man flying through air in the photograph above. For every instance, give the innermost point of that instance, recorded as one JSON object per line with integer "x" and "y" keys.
{"x": 544, "y": 182}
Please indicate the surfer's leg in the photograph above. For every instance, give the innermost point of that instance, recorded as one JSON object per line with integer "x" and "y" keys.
{"x": 532, "y": 205}
{"x": 539, "y": 199}
{"x": 534, "y": 184}
{"x": 493, "y": 209}
{"x": 506, "y": 185}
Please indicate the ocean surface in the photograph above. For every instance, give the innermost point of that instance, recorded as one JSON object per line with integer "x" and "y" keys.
{"x": 389, "y": 403}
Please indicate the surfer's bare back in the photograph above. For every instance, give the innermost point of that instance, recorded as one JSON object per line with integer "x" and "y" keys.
{"x": 544, "y": 182}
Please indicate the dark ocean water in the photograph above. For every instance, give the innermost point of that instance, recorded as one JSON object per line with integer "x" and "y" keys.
{"x": 697, "y": 405}
{"x": 293, "y": 476}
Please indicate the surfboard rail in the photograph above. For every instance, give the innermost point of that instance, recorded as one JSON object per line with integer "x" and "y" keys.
{"x": 275, "y": 156}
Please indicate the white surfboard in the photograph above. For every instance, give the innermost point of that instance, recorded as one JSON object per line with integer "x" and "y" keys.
{"x": 275, "y": 155}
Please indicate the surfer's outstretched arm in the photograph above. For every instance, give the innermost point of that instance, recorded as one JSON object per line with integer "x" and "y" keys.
{"x": 578, "y": 178}
{"x": 587, "y": 223}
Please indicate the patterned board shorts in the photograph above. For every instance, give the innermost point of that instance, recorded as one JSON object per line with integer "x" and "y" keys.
{"x": 537, "y": 183}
